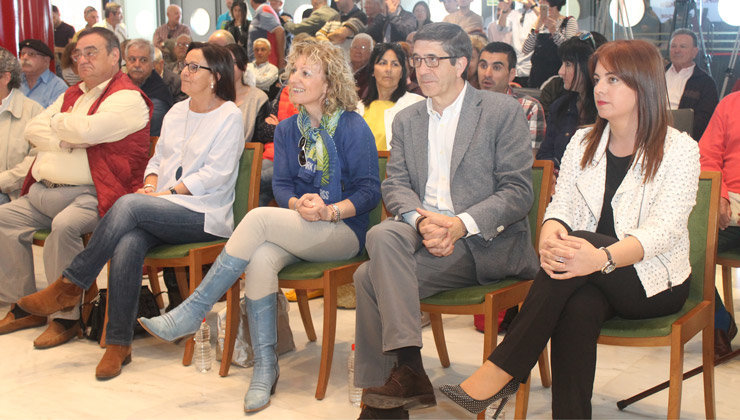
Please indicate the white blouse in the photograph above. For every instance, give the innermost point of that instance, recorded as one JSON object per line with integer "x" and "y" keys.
{"x": 207, "y": 146}
{"x": 655, "y": 213}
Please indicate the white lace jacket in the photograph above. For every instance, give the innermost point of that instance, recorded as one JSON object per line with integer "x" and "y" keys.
{"x": 655, "y": 213}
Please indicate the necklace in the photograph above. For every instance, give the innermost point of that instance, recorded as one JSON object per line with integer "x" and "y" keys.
{"x": 186, "y": 145}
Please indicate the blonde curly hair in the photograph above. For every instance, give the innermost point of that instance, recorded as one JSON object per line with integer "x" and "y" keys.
{"x": 341, "y": 92}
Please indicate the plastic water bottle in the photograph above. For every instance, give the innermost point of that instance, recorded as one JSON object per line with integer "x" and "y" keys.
{"x": 202, "y": 356}
{"x": 355, "y": 393}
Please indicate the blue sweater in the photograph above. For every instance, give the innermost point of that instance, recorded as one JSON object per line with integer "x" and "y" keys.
{"x": 359, "y": 159}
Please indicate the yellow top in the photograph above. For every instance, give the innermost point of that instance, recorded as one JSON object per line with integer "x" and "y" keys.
{"x": 374, "y": 117}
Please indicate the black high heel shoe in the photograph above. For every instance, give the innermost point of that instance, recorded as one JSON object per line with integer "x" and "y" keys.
{"x": 461, "y": 398}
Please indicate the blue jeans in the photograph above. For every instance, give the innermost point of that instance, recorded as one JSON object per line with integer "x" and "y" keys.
{"x": 135, "y": 224}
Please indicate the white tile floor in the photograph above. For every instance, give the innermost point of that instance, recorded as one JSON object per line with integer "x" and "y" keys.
{"x": 59, "y": 383}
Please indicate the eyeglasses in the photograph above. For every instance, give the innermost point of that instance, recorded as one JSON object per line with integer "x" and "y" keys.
{"x": 89, "y": 53}
{"x": 586, "y": 36}
{"x": 32, "y": 54}
{"x": 302, "y": 153}
{"x": 193, "y": 67}
{"x": 431, "y": 61}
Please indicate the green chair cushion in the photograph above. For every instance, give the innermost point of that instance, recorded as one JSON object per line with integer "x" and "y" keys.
{"x": 472, "y": 295}
{"x": 304, "y": 270}
{"x": 41, "y": 235}
{"x": 178, "y": 251}
{"x": 651, "y": 327}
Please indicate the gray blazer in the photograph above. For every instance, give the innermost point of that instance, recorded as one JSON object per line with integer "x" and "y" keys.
{"x": 490, "y": 178}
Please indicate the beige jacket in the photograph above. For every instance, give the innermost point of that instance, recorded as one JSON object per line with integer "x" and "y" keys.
{"x": 16, "y": 154}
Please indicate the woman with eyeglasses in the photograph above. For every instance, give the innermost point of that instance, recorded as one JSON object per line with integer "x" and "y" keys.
{"x": 326, "y": 183}
{"x": 575, "y": 107}
{"x": 549, "y": 32}
{"x": 615, "y": 241}
{"x": 187, "y": 195}
{"x": 386, "y": 94}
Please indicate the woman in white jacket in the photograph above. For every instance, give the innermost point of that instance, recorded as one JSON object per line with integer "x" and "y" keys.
{"x": 615, "y": 240}
{"x": 386, "y": 93}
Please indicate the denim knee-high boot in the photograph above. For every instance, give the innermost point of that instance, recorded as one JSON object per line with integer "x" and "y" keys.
{"x": 185, "y": 319}
{"x": 262, "y": 316}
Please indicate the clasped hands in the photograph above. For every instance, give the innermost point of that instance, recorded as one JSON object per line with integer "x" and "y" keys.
{"x": 151, "y": 191}
{"x": 440, "y": 232}
{"x": 312, "y": 208}
{"x": 563, "y": 256}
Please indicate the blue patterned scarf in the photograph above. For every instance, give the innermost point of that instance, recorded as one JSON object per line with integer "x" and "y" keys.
{"x": 322, "y": 168}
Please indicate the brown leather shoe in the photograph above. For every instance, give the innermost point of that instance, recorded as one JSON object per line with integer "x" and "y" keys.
{"x": 404, "y": 388}
{"x": 377, "y": 413}
{"x": 114, "y": 358}
{"x": 10, "y": 323}
{"x": 56, "y": 335}
{"x": 59, "y": 296}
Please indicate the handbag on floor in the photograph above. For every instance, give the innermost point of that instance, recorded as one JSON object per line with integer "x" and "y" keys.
{"x": 93, "y": 327}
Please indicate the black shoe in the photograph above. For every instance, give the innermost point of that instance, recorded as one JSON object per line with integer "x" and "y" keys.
{"x": 404, "y": 388}
{"x": 461, "y": 398}
{"x": 732, "y": 331}
{"x": 378, "y": 413}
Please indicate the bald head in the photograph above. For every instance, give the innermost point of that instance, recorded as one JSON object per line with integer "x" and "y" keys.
{"x": 221, "y": 37}
{"x": 174, "y": 14}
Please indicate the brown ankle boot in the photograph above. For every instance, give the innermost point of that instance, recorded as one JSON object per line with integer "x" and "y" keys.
{"x": 59, "y": 296}
{"x": 114, "y": 358}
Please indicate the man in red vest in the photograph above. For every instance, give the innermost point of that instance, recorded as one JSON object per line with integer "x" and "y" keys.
{"x": 91, "y": 147}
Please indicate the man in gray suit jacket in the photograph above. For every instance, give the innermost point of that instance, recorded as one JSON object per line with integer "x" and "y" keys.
{"x": 459, "y": 187}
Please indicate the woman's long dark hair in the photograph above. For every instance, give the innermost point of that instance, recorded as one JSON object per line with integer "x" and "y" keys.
{"x": 428, "y": 20}
{"x": 577, "y": 52}
{"x": 242, "y": 5}
{"x": 222, "y": 66}
{"x": 372, "y": 88}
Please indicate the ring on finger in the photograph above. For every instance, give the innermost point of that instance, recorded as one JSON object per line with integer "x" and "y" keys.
{"x": 560, "y": 260}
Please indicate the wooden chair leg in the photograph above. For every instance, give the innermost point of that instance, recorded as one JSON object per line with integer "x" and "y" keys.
{"x": 727, "y": 289}
{"x": 708, "y": 363}
{"x": 154, "y": 284}
{"x": 544, "y": 363}
{"x": 232, "y": 327}
{"x": 182, "y": 282}
{"x": 328, "y": 336}
{"x": 522, "y": 400}
{"x": 105, "y": 321}
{"x": 439, "y": 338}
{"x": 676, "y": 375}
{"x": 302, "y": 300}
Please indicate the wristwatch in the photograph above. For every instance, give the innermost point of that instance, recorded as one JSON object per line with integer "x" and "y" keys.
{"x": 609, "y": 266}
{"x": 173, "y": 191}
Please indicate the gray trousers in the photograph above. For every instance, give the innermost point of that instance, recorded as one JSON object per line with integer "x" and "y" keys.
{"x": 69, "y": 212}
{"x": 400, "y": 272}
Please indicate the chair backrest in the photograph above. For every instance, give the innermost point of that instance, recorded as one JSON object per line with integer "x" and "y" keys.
{"x": 533, "y": 92}
{"x": 683, "y": 120}
{"x": 152, "y": 145}
{"x": 542, "y": 174}
{"x": 248, "y": 181}
{"x": 376, "y": 215}
{"x": 703, "y": 237}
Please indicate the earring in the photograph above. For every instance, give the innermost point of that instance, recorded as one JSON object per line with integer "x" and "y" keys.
{"x": 211, "y": 85}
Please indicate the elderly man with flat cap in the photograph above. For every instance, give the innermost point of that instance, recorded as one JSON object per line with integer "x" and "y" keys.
{"x": 38, "y": 82}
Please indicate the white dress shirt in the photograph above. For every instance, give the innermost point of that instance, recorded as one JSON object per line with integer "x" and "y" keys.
{"x": 207, "y": 147}
{"x": 120, "y": 114}
{"x": 437, "y": 196}
{"x": 119, "y": 30}
{"x": 265, "y": 74}
{"x": 676, "y": 82}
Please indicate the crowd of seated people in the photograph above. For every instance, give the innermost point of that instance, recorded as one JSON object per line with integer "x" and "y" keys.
{"x": 324, "y": 96}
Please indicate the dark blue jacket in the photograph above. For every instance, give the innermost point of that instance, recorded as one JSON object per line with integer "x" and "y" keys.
{"x": 560, "y": 128}
{"x": 359, "y": 159}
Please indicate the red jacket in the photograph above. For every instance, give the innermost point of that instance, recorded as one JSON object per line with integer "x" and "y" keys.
{"x": 117, "y": 168}
{"x": 720, "y": 144}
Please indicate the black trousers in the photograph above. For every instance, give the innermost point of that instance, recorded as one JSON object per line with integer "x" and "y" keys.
{"x": 571, "y": 313}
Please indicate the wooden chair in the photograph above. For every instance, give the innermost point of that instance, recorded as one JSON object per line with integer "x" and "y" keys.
{"x": 195, "y": 255}
{"x": 489, "y": 299}
{"x": 303, "y": 276}
{"x": 697, "y": 314}
{"x": 152, "y": 145}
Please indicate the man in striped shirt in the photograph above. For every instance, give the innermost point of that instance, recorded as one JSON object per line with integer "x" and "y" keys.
{"x": 496, "y": 69}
